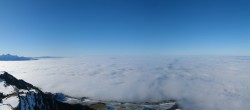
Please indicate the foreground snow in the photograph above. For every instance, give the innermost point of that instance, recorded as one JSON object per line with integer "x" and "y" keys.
{"x": 12, "y": 100}
{"x": 28, "y": 97}
{"x": 6, "y": 89}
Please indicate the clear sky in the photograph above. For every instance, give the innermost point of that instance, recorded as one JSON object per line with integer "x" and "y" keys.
{"x": 96, "y": 27}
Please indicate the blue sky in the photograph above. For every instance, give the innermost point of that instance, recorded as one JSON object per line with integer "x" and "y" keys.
{"x": 97, "y": 27}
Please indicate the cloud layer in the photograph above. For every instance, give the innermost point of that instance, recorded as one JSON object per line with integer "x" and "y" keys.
{"x": 219, "y": 83}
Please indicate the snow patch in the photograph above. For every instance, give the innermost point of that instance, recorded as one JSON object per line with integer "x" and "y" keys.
{"x": 5, "y": 88}
{"x": 5, "y": 107}
{"x": 13, "y": 101}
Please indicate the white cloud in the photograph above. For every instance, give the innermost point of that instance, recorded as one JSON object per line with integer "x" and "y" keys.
{"x": 218, "y": 83}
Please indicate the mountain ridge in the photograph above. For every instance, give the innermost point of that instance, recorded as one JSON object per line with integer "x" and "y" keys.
{"x": 28, "y": 97}
{"x": 9, "y": 57}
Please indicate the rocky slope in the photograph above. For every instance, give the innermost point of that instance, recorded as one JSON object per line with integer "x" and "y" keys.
{"x": 19, "y": 95}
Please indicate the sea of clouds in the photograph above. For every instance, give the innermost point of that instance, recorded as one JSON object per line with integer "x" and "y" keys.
{"x": 197, "y": 82}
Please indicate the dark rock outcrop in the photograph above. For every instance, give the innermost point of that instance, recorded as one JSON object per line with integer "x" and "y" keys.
{"x": 29, "y": 97}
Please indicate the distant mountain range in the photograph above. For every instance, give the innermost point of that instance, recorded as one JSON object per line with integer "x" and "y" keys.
{"x": 9, "y": 57}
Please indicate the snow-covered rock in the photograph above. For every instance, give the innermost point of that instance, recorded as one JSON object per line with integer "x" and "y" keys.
{"x": 19, "y": 95}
